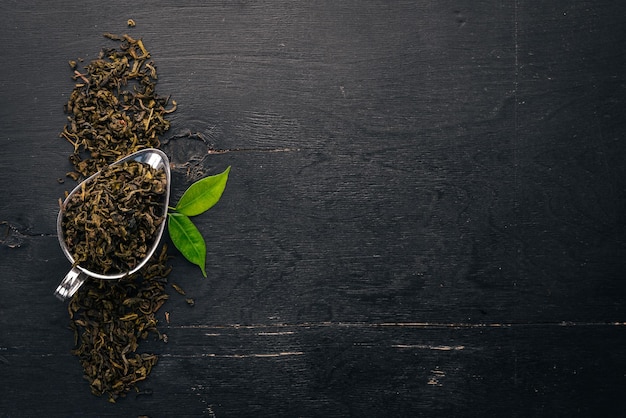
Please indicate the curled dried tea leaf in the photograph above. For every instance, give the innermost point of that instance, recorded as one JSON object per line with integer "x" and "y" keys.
{"x": 178, "y": 289}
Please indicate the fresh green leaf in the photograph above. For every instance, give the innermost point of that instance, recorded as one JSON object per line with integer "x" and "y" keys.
{"x": 203, "y": 194}
{"x": 187, "y": 239}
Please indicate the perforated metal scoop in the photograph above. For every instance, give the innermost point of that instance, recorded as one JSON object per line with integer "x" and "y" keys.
{"x": 77, "y": 275}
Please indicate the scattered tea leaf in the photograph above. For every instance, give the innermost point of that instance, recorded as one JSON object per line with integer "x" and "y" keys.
{"x": 203, "y": 194}
{"x": 187, "y": 239}
{"x": 178, "y": 289}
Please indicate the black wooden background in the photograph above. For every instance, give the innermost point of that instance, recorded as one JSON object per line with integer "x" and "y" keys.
{"x": 425, "y": 213}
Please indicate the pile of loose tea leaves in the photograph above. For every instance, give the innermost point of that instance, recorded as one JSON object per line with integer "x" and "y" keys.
{"x": 114, "y": 111}
{"x": 111, "y": 223}
{"x": 109, "y": 318}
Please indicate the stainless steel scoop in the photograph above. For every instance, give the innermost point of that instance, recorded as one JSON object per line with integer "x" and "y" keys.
{"x": 77, "y": 275}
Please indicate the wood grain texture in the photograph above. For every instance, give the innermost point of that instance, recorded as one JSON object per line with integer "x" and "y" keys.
{"x": 424, "y": 217}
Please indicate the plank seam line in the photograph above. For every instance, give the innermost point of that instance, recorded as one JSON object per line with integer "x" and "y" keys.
{"x": 398, "y": 325}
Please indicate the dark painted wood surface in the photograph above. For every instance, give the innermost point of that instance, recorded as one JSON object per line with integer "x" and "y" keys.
{"x": 425, "y": 215}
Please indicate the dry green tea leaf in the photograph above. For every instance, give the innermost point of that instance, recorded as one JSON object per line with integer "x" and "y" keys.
{"x": 178, "y": 289}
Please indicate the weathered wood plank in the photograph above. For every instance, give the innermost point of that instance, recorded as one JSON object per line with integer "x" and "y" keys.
{"x": 341, "y": 369}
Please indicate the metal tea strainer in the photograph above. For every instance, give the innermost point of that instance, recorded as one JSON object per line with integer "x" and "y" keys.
{"x": 77, "y": 275}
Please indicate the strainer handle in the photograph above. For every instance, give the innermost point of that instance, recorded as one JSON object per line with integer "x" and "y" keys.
{"x": 70, "y": 284}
